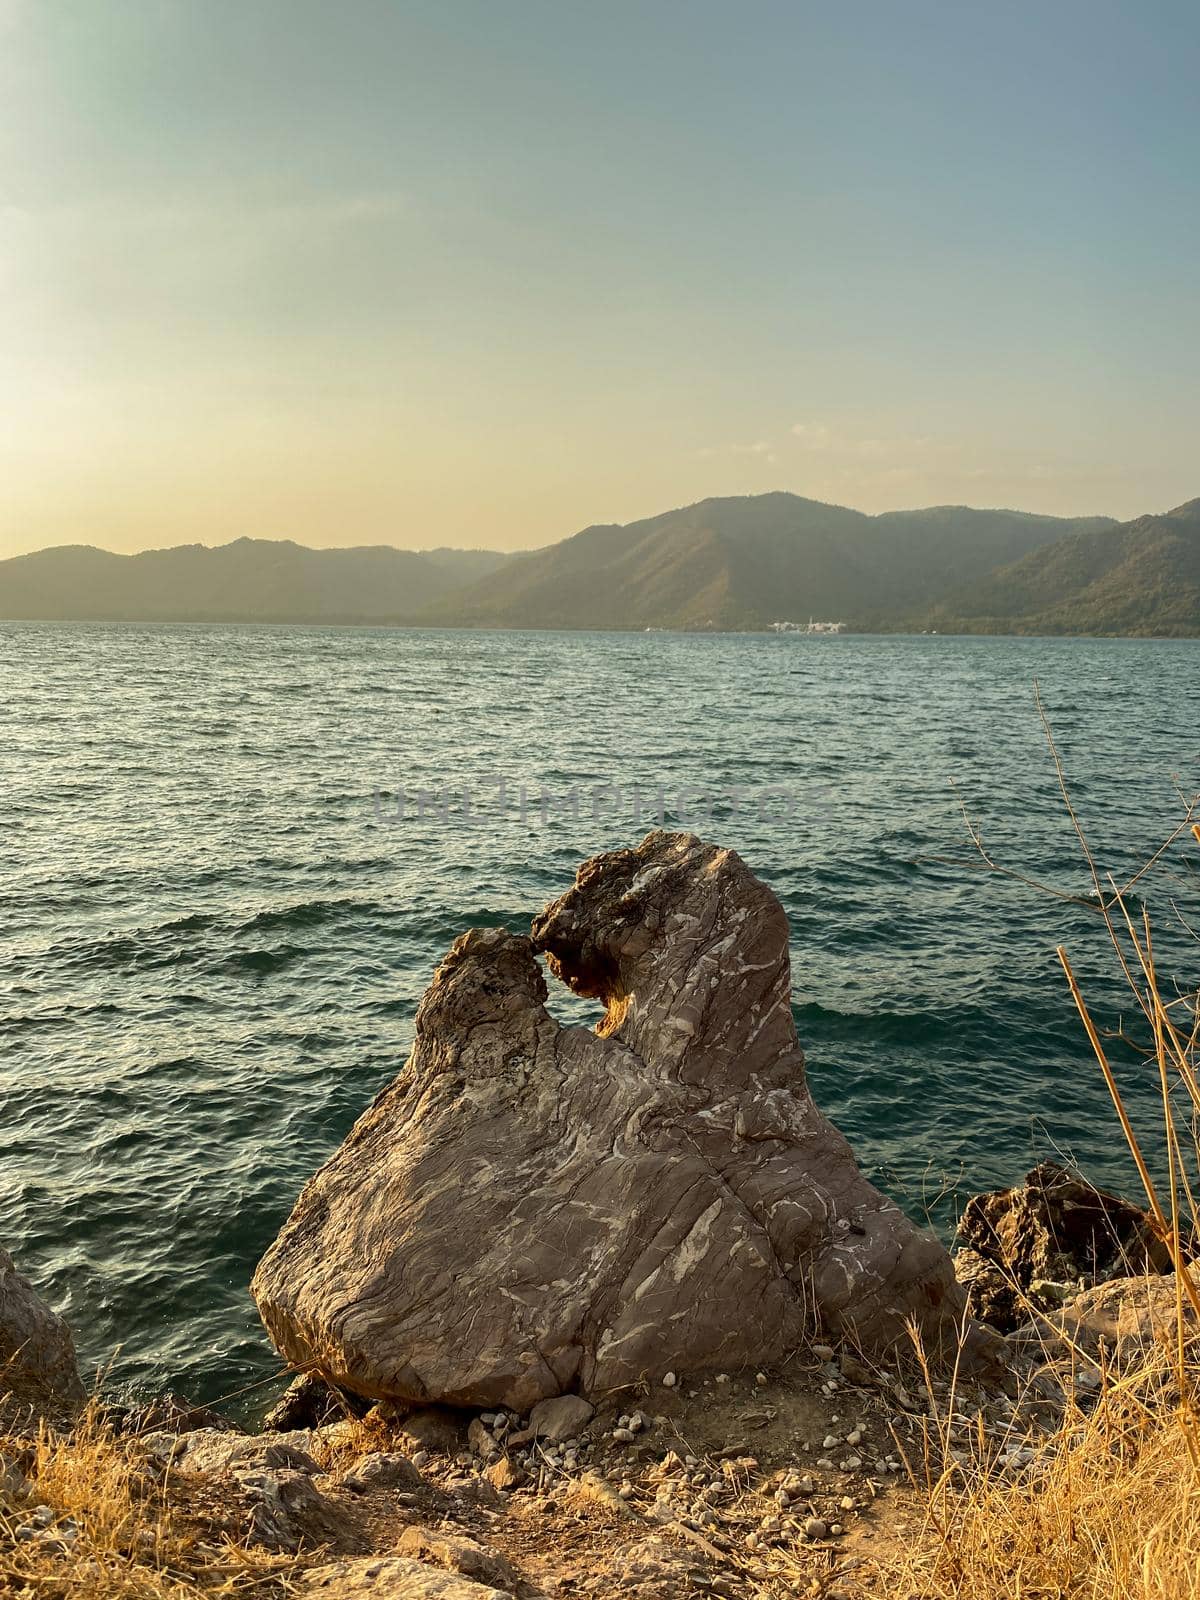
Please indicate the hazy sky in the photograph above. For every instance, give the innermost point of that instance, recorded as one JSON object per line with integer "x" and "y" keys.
{"x": 484, "y": 271}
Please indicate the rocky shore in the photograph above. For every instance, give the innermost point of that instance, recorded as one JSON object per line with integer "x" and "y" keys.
{"x": 580, "y": 1312}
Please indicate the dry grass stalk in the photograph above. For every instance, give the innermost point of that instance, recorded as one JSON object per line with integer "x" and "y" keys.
{"x": 119, "y": 1531}
{"x": 1109, "y": 1506}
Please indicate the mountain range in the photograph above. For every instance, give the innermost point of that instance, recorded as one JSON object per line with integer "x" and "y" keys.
{"x": 731, "y": 563}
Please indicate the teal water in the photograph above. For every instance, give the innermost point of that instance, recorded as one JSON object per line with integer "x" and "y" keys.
{"x": 214, "y": 928}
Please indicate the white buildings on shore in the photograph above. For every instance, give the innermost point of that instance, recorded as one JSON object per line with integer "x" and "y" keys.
{"x": 808, "y": 627}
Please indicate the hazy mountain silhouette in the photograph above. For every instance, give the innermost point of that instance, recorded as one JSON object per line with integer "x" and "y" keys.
{"x": 723, "y": 563}
{"x": 1139, "y": 577}
{"x": 250, "y": 580}
{"x": 749, "y": 561}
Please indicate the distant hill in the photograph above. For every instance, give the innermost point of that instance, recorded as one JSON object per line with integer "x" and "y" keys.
{"x": 250, "y": 580}
{"x": 1137, "y": 578}
{"x": 750, "y": 561}
{"x": 726, "y": 563}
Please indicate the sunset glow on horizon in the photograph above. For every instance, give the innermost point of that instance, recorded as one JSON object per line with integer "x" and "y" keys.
{"x": 427, "y": 274}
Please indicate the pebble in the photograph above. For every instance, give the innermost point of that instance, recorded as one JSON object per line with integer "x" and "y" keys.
{"x": 830, "y": 1442}
{"x": 422, "y": 1458}
{"x": 846, "y": 1503}
{"x": 815, "y": 1528}
{"x": 623, "y": 1435}
{"x": 669, "y": 1380}
{"x": 852, "y": 1463}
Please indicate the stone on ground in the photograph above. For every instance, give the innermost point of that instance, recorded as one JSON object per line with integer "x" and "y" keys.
{"x": 1045, "y": 1239}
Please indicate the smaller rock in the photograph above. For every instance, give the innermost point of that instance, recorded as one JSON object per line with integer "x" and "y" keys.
{"x": 669, "y": 1380}
{"x": 855, "y": 1372}
{"x": 505, "y": 1475}
{"x": 556, "y": 1419}
{"x": 457, "y": 1554}
{"x": 207, "y": 1450}
{"x": 815, "y": 1528}
{"x": 37, "y": 1353}
{"x": 823, "y": 1352}
{"x": 390, "y": 1578}
{"x": 287, "y": 1513}
{"x": 14, "y": 1485}
{"x": 480, "y": 1440}
{"x": 592, "y": 1487}
{"x": 383, "y": 1469}
{"x": 307, "y": 1402}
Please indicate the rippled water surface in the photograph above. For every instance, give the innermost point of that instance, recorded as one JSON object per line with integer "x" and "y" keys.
{"x": 214, "y": 930}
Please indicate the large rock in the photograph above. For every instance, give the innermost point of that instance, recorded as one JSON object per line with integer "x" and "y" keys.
{"x": 38, "y": 1372}
{"x": 1052, "y": 1233}
{"x": 530, "y": 1209}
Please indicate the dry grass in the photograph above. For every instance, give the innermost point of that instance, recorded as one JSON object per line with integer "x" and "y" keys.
{"x": 1109, "y": 1508}
{"x": 119, "y": 1529}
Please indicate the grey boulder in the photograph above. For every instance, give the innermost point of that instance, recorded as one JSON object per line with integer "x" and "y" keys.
{"x": 531, "y": 1208}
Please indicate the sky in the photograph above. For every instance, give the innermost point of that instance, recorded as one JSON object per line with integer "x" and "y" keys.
{"x": 482, "y": 272}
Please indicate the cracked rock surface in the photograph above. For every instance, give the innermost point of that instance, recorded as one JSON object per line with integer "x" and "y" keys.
{"x": 531, "y": 1209}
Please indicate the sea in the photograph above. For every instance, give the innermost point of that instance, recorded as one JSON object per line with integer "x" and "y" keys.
{"x": 234, "y": 855}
